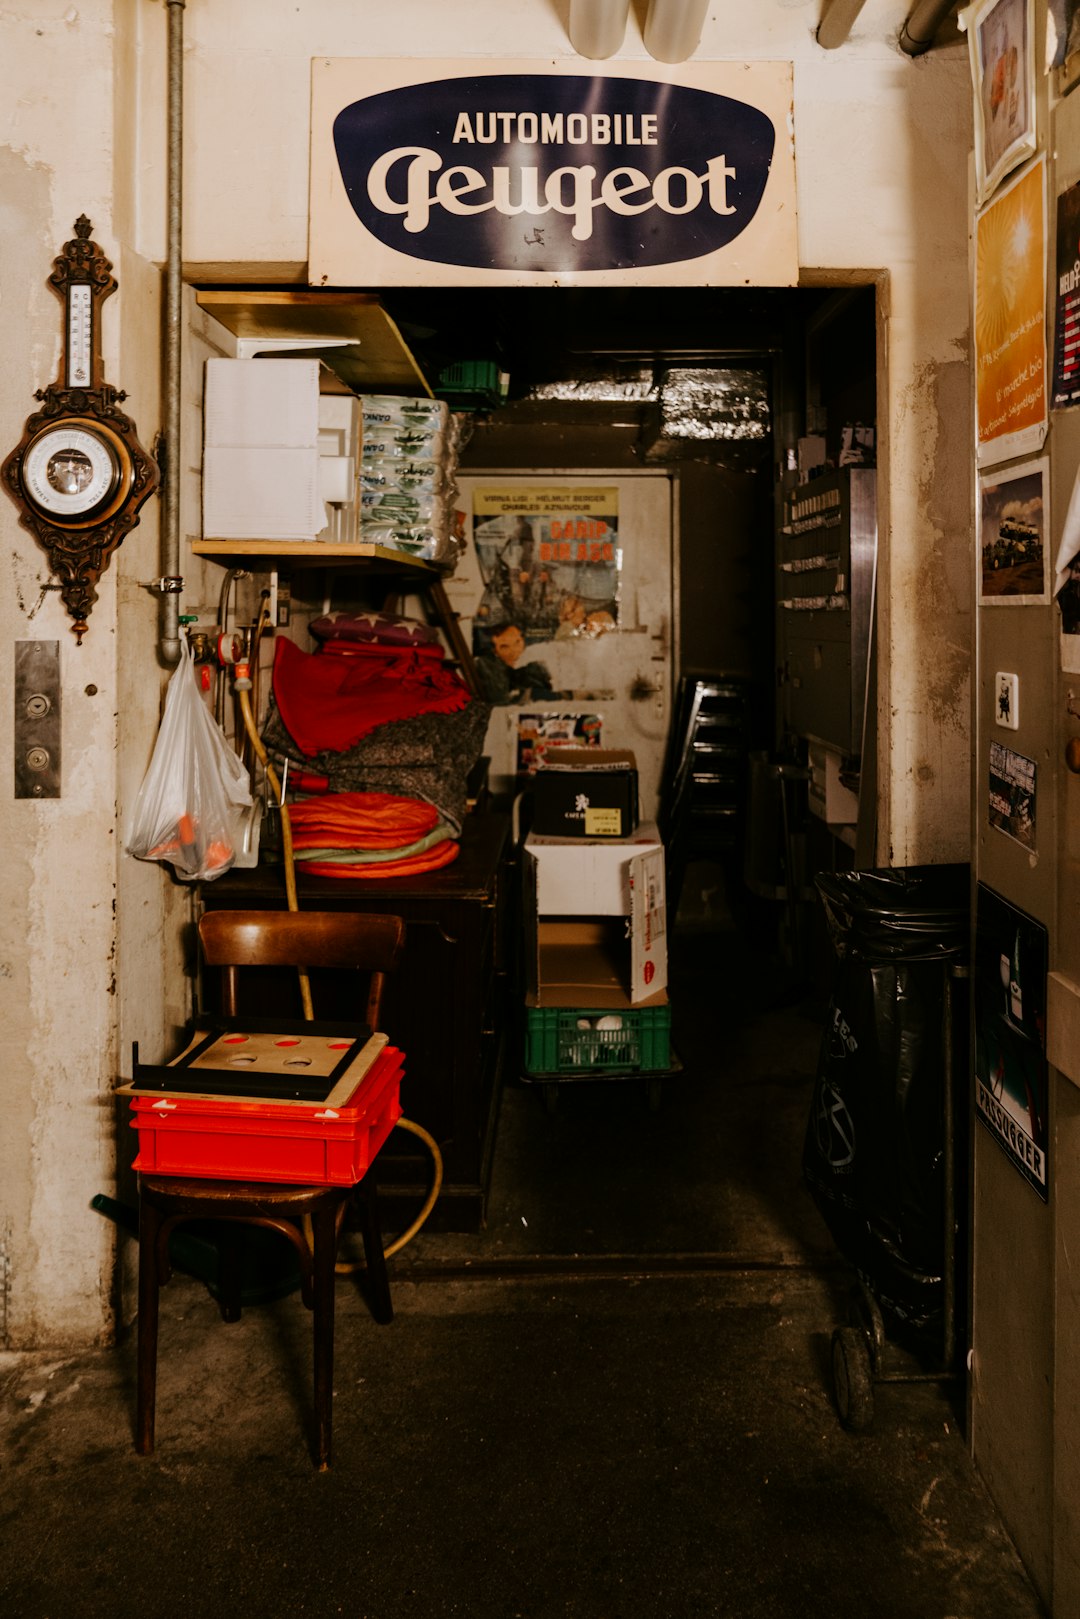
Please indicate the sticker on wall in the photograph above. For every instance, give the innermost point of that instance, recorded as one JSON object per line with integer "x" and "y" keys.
{"x": 1010, "y": 320}
{"x": 538, "y": 734}
{"x": 1012, "y": 794}
{"x": 534, "y": 173}
{"x": 1000, "y": 46}
{"x": 1011, "y": 959}
{"x": 1014, "y": 559}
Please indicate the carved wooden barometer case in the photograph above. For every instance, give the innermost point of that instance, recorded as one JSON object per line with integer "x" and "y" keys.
{"x": 79, "y": 473}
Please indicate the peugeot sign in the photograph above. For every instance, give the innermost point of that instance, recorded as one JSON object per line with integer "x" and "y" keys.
{"x": 543, "y": 177}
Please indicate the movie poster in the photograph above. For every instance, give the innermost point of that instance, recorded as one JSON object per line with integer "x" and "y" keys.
{"x": 550, "y": 563}
{"x": 1011, "y": 960}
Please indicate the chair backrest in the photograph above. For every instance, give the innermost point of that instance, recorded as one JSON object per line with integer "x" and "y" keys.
{"x": 362, "y": 942}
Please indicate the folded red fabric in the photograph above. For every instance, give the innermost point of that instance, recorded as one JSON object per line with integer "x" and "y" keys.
{"x": 329, "y": 700}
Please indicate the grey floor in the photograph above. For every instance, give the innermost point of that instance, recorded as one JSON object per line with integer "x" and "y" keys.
{"x": 614, "y": 1403}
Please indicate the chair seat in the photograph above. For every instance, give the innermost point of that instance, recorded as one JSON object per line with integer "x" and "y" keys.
{"x": 283, "y": 1196}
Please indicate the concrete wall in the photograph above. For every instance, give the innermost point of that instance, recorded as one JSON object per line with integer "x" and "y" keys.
{"x": 69, "y": 149}
{"x": 882, "y": 197}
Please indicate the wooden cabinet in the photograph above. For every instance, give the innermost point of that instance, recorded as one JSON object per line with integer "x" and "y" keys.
{"x": 446, "y": 1008}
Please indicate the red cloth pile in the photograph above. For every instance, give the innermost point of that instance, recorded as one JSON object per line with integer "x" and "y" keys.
{"x": 370, "y": 835}
{"x": 331, "y": 698}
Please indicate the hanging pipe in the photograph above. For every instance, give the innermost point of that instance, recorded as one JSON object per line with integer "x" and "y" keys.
{"x": 837, "y": 22}
{"x": 923, "y": 22}
{"x": 170, "y": 517}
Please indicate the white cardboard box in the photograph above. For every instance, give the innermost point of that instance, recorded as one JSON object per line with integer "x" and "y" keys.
{"x": 280, "y": 453}
{"x": 587, "y": 876}
{"x": 595, "y": 921}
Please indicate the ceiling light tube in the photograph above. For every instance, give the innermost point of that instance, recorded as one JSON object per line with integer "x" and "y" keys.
{"x": 597, "y": 26}
{"x": 673, "y": 28}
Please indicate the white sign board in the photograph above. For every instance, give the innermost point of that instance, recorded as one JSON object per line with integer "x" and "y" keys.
{"x": 534, "y": 173}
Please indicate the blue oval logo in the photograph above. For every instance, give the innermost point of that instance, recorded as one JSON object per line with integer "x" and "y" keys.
{"x": 551, "y": 173}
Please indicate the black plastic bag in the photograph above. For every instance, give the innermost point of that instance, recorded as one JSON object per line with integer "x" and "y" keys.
{"x": 874, "y": 1151}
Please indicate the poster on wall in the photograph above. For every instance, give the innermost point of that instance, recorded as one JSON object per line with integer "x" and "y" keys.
{"x": 1011, "y": 960}
{"x": 1001, "y": 50}
{"x": 1010, "y": 320}
{"x": 1012, "y": 794}
{"x": 550, "y": 562}
{"x": 535, "y": 173}
{"x": 1014, "y": 558}
{"x": 1067, "y": 301}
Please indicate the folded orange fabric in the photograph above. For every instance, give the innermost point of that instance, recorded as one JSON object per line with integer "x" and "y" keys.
{"x": 360, "y": 821}
{"x": 431, "y": 859}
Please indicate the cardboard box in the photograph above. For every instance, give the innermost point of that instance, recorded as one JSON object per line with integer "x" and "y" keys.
{"x": 595, "y": 921}
{"x": 590, "y": 792}
{"x": 280, "y": 453}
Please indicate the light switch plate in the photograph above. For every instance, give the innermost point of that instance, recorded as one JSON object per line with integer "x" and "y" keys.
{"x": 1007, "y": 701}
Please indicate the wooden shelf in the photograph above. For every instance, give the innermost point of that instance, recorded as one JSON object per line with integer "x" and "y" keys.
{"x": 375, "y": 358}
{"x": 316, "y": 553}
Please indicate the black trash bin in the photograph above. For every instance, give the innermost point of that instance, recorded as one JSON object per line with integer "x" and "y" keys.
{"x": 880, "y": 1140}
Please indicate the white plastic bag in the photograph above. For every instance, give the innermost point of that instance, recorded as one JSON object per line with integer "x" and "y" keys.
{"x": 195, "y": 798}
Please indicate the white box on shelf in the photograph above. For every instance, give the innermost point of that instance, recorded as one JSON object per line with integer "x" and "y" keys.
{"x": 269, "y": 424}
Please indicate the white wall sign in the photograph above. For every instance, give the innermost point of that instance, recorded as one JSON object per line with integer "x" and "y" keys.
{"x": 535, "y": 173}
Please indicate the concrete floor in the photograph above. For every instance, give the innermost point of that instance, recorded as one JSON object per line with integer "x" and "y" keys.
{"x": 614, "y": 1403}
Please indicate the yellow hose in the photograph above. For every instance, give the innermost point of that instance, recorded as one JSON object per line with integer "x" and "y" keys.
{"x": 344, "y": 1267}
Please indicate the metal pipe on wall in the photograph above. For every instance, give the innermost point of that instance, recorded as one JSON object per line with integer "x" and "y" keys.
{"x": 923, "y": 21}
{"x": 597, "y": 27}
{"x": 837, "y": 22}
{"x": 673, "y": 28}
{"x": 170, "y": 520}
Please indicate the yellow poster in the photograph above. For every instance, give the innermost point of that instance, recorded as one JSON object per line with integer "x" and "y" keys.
{"x": 1010, "y": 320}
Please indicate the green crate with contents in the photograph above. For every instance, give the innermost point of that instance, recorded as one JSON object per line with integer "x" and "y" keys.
{"x": 578, "y": 1040}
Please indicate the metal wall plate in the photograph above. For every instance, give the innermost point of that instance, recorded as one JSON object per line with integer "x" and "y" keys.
{"x": 37, "y": 719}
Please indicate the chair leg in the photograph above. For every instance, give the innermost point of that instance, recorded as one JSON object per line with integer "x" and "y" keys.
{"x": 378, "y": 1282}
{"x": 146, "y": 1355}
{"x": 324, "y": 1228}
{"x": 230, "y": 1246}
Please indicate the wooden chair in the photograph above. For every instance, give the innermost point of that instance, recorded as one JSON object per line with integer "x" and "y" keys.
{"x": 235, "y": 940}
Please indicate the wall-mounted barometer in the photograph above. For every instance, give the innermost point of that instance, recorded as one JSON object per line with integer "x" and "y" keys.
{"x": 79, "y": 474}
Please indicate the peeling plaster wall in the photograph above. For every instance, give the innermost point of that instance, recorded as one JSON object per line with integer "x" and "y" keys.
{"x": 60, "y": 863}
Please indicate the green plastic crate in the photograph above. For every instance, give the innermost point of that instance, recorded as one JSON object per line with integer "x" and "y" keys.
{"x": 566, "y": 1040}
{"x": 471, "y": 385}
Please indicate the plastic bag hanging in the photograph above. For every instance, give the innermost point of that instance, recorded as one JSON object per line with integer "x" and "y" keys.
{"x": 191, "y": 808}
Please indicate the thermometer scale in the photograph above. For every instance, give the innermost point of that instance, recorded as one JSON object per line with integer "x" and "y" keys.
{"x": 80, "y": 335}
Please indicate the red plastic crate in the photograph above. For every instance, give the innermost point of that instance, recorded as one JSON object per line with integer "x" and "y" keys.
{"x": 270, "y": 1141}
